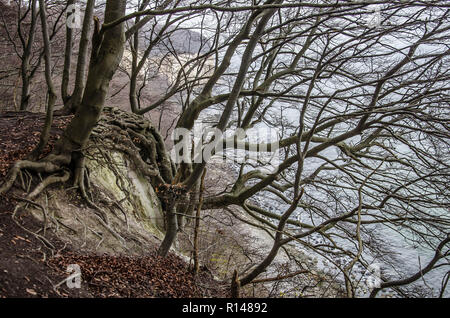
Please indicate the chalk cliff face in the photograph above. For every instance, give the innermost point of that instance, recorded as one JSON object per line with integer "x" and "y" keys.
{"x": 134, "y": 218}
{"x": 138, "y": 198}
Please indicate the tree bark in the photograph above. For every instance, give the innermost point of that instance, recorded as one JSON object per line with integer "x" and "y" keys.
{"x": 197, "y": 223}
{"x": 106, "y": 55}
{"x": 235, "y": 285}
{"x": 171, "y": 231}
{"x": 45, "y": 134}
{"x": 67, "y": 60}
{"x": 26, "y": 57}
{"x": 82, "y": 57}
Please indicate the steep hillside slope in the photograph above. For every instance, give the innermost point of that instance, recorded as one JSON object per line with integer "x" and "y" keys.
{"x": 115, "y": 250}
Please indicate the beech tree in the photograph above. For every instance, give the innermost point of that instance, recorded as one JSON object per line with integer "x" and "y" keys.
{"x": 358, "y": 94}
{"x": 72, "y": 101}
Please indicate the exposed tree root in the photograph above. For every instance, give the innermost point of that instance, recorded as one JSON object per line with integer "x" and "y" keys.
{"x": 38, "y": 236}
{"x": 118, "y": 131}
{"x": 44, "y": 166}
{"x": 100, "y": 215}
{"x": 47, "y": 182}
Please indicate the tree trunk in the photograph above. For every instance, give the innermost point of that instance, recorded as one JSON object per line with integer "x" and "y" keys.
{"x": 171, "y": 231}
{"x": 67, "y": 60}
{"x": 26, "y": 58}
{"x": 134, "y": 103}
{"x": 45, "y": 134}
{"x": 235, "y": 285}
{"x": 106, "y": 55}
{"x": 197, "y": 223}
{"x": 25, "y": 95}
{"x": 82, "y": 57}
{"x": 134, "y": 64}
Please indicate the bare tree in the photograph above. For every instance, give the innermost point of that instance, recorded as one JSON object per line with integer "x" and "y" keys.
{"x": 48, "y": 78}
{"x": 27, "y": 45}
{"x": 359, "y": 100}
{"x": 27, "y": 15}
{"x": 82, "y": 60}
{"x": 65, "y": 78}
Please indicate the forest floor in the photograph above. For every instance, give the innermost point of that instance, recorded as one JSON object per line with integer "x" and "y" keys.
{"x": 28, "y": 268}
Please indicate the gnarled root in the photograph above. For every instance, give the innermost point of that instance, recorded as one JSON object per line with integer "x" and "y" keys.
{"x": 48, "y": 181}
{"x": 100, "y": 215}
{"x": 44, "y": 166}
{"x": 119, "y": 131}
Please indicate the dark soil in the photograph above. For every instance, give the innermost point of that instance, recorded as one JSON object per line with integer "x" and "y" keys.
{"x": 23, "y": 258}
{"x": 19, "y": 134}
{"x": 30, "y": 269}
